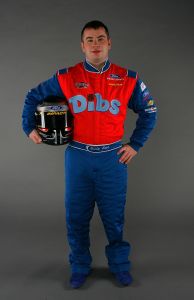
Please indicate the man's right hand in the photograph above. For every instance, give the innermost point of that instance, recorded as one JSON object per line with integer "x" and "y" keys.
{"x": 35, "y": 137}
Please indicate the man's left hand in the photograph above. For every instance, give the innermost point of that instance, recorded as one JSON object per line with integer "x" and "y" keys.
{"x": 128, "y": 154}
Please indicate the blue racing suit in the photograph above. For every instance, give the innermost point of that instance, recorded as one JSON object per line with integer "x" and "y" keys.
{"x": 98, "y": 101}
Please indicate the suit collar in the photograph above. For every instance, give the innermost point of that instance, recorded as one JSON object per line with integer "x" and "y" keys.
{"x": 90, "y": 68}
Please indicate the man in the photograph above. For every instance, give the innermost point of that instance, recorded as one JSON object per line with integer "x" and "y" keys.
{"x": 98, "y": 93}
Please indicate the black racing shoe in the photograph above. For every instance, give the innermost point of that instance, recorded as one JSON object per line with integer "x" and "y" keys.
{"x": 124, "y": 278}
{"x": 77, "y": 280}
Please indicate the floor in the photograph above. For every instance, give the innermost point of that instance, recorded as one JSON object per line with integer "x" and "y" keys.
{"x": 34, "y": 263}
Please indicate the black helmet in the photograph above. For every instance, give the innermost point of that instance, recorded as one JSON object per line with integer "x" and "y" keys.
{"x": 54, "y": 121}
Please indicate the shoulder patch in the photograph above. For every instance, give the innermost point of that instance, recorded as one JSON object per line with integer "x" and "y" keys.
{"x": 131, "y": 73}
{"x": 62, "y": 71}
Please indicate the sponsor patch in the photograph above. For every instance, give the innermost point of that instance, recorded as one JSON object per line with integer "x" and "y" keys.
{"x": 81, "y": 85}
{"x": 56, "y": 107}
{"x": 115, "y": 84}
{"x": 115, "y": 77}
{"x": 146, "y": 93}
{"x": 150, "y": 102}
{"x": 142, "y": 86}
{"x": 151, "y": 110}
{"x": 56, "y": 113}
{"x": 79, "y": 104}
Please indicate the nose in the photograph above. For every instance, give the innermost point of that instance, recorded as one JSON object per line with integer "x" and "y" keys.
{"x": 95, "y": 42}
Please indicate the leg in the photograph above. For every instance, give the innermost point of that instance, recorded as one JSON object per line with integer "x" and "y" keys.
{"x": 110, "y": 193}
{"x": 79, "y": 203}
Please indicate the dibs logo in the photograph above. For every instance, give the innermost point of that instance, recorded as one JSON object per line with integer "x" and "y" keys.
{"x": 80, "y": 104}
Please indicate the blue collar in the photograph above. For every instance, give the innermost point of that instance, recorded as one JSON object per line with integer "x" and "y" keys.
{"x": 90, "y": 68}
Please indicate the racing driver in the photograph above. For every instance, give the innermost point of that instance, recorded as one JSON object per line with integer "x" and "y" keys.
{"x": 98, "y": 93}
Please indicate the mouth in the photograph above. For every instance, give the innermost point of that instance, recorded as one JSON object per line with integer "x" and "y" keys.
{"x": 96, "y": 51}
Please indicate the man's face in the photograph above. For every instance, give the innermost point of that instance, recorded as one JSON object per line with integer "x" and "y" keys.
{"x": 95, "y": 45}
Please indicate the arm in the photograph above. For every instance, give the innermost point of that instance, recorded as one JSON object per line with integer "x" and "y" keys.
{"x": 142, "y": 103}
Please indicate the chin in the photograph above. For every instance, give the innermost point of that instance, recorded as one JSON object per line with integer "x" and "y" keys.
{"x": 98, "y": 60}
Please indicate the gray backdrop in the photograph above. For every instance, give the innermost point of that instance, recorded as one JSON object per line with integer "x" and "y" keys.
{"x": 154, "y": 38}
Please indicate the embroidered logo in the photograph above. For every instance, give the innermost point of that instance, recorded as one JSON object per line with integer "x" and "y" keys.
{"x": 150, "y": 102}
{"x": 115, "y": 77}
{"x": 81, "y": 85}
{"x": 150, "y": 110}
{"x": 115, "y": 84}
{"x": 79, "y": 104}
{"x": 143, "y": 86}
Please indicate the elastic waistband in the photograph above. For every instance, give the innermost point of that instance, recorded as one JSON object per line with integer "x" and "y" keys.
{"x": 95, "y": 148}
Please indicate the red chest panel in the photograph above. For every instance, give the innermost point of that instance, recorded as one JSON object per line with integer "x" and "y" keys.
{"x": 98, "y": 102}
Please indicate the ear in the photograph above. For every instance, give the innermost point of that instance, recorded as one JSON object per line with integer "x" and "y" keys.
{"x": 82, "y": 47}
{"x": 109, "y": 44}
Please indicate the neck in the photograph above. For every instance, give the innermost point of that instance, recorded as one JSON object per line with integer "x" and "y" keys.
{"x": 98, "y": 66}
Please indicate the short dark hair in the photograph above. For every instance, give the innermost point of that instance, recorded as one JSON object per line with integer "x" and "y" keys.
{"x": 95, "y": 24}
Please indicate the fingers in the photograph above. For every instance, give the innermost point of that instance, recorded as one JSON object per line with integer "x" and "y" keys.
{"x": 35, "y": 137}
{"x": 129, "y": 159}
{"x": 125, "y": 158}
{"x": 120, "y": 150}
{"x": 128, "y": 154}
{"x": 37, "y": 140}
{"x": 123, "y": 148}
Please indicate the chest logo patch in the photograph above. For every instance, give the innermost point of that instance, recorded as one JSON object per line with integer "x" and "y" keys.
{"x": 96, "y": 103}
{"x": 114, "y": 76}
{"x": 81, "y": 85}
{"x": 115, "y": 80}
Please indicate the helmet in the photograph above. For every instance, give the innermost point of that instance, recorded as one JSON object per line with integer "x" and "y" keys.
{"x": 54, "y": 121}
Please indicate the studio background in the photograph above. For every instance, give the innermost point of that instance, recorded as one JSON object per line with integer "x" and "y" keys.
{"x": 156, "y": 40}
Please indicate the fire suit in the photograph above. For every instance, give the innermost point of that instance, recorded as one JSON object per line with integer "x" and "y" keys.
{"x": 98, "y": 101}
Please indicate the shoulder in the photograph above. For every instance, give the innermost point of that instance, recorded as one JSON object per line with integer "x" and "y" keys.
{"x": 70, "y": 69}
{"x": 62, "y": 71}
{"x": 127, "y": 72}
{"x": 131, "y": 73}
